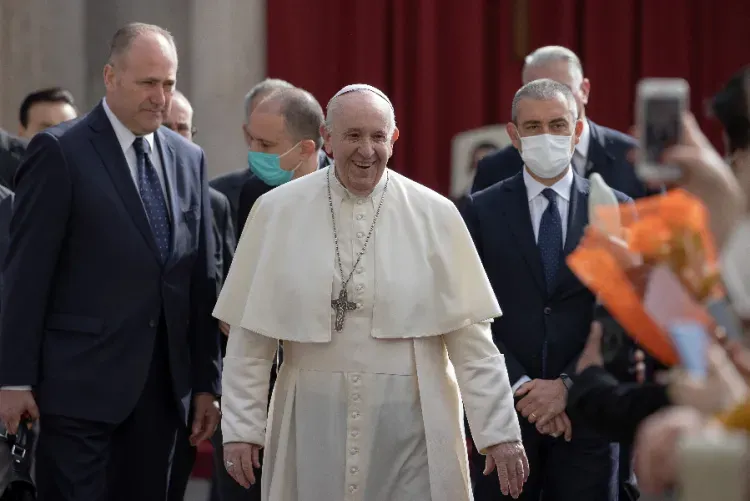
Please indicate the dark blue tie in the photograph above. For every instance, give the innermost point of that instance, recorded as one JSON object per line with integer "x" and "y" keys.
{"x": 550, "y": 241}
{"x": 153, "y": 199}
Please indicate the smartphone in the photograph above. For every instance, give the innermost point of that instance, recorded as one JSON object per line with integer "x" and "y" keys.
{"x": 660, "y": 103}
{"x": 691, "y": 341}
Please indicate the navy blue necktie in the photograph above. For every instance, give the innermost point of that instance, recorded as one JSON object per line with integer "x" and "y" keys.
{"x": 550, "y": 241}
{"x": 153, "y": 199}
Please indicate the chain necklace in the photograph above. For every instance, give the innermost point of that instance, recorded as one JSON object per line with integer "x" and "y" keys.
{"x": 342, "y": 304}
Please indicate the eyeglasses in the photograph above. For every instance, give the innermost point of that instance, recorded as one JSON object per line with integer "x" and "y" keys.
{"x": 181, "y": 128}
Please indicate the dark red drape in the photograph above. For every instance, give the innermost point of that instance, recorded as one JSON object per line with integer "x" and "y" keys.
{"x": 449, "y": 65}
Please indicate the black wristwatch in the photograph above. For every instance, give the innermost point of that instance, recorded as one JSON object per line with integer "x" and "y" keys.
{"x": 567, "y": 381}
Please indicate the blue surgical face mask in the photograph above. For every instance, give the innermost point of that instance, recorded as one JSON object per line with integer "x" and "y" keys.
{"x": 267, "y": 166}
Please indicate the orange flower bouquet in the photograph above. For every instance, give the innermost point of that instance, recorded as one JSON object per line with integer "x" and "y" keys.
{"x": 665, "y": 234}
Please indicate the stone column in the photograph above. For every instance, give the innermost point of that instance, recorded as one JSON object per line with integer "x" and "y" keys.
{"x": 41, "y": 45}
{"x": 228, "y": 51}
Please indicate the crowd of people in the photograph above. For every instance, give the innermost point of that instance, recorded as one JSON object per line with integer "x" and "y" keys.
{"x": 328, "y": 324}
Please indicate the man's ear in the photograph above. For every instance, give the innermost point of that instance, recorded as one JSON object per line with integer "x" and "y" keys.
{"x": 515, "y": 138}
{"x": 578, "y": 131}
{"x": 395, "y": 135}
{"x": 307, "y": 147}
{"x": 246, "y": 135}
{"x": 585, "y": 91}
{"x": 326, "y": 135}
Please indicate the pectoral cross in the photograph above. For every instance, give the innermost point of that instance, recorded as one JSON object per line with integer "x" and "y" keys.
{"x": 341, "y": 306}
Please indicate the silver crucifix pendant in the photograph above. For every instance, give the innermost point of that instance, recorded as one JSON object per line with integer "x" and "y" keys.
{"x": 341, "y": 306}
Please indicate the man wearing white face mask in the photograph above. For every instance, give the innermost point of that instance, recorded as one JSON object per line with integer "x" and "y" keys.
{"x": 284, "y": 134}
{"x": 524, "y": 227}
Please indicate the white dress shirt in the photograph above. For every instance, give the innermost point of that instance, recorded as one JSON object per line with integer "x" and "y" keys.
{"x": 537, "y": 205}
{"x": 126, "y": 138}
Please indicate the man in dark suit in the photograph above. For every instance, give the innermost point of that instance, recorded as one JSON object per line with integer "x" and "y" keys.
{"x": 231, "y": 184}
{"x": 11, "y": 151}
{"x": 180, "y": 120}
{"x": 285, "y": 126}
{"x": 600, "y": 149}
{"x": 109, "y": 285}
{"x": 524, "y": 227}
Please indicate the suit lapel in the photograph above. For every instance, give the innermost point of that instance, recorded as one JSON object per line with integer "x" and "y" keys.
{"x": 109, "y": 150}
{"x": 170, "y": 178}
{"x": 578, "y": 219}
{"x": 598, "y": 158}
{"x": 516, "y": 212}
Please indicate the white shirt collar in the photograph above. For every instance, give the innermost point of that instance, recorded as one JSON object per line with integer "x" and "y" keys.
{"x": 583, "y": 143}
{"x": 562, "y": 187}
{"x": 124, "y": 135}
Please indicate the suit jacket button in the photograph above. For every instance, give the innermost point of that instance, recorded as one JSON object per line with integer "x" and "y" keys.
{"x": 547, "y": 310}
{"x": 152, "y": 323}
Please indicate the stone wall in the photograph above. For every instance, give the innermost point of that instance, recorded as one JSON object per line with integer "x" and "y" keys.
{"x": 221, "y": 45}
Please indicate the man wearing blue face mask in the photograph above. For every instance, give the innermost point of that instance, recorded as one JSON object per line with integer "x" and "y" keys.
{"x": 547, "y": 311}
{"x": 285, "y": 140}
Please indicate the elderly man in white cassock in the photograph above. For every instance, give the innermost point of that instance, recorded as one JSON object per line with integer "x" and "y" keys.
{"x": 373, "y": 284}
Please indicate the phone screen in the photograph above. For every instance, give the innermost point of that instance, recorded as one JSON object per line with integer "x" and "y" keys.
{"x": 661, "y": 120}
{"x": 691, "y": 341}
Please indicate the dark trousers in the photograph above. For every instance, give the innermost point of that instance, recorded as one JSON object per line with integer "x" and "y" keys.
{"x": 79, "y": 460}
{"x": 584, "y": 469}
{"x": 182, "y": 464}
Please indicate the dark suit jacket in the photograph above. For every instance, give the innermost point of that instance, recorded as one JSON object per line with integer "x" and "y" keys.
{"x": 612, "y": 408}
{"x": 224, "y": 235}
{"x": 231, "y": 185}
{"x": 85, "y": 290}
{"x": 252, "y": 190}
{"x": 6, "y": 210}
{"x": 11, "y": 151}
{"x": 500, "y": 223}
{"x": 607, "y": 155}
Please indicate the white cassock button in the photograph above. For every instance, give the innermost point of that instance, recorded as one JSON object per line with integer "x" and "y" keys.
{"x": 359, "y": 306}
{"x": 360, "y": 216}
{"x": 353, "y": 470}
{"x": 355, "y": 379}
{"x": 353, "y": 451}
{"x": 360, "y": 201}
{"x": 355, "y": 415}
{"x": 355, "y": 397}
{"x": 354, "y": 433}
{"x": 352, "y": 488}
{"x": 360, "y": 287}
{"x": 361, "y": 234}
{"x": 359, "y": 270}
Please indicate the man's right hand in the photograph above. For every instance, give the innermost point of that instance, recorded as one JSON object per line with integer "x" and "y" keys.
{"x": 16, "y": 405}
{"x": 239, "y": 460}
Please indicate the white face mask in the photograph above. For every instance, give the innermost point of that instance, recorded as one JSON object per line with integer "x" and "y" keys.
{"x": 546, "y": 155}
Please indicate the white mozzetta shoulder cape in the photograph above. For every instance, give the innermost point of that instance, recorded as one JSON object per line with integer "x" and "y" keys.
{"x": 428, "y": 278}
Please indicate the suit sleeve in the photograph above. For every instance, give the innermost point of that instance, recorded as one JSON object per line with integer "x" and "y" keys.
{"x": 515, "y": 369}
{"x": 204, "y": 329}
{"x": 37, "y": 231}
{"x": 228, "y": 238}
{"x": 244, "y": 206}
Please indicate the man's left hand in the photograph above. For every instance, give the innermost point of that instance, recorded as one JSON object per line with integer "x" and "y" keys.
{"x": 542, "y": 400}
{"x": 206, "y": 417}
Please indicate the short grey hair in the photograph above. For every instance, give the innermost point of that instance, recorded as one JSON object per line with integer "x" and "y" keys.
{"x": 176, "y": 94}
{"x": 332, "y": 104}
{"x": 263, "y": 88}
{"x": 544, "y": 89}
{"x": 553, "y": 53}
{"x": 302, "y": 114}
{"x": 125, "y": 36}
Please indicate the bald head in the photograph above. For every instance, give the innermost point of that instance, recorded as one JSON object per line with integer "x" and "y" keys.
{"x": 300, "y": 111}
{"x": 562, "y": 65}
{"x": 180, "y": 117}
{"x": 261, "y": 91}
{"x": 144, "y": 35}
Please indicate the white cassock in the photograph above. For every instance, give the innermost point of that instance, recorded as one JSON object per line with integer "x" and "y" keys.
{"x": 371, "y": 413}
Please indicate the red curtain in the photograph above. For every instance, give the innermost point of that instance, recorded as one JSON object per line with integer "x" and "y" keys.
{"x": 450, "y": 65}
